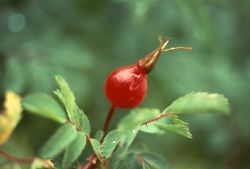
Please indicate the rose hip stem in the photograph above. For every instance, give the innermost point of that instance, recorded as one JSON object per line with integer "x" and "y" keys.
{"x": 108, "y": 119}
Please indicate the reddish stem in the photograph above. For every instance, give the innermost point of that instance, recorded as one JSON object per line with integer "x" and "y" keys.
{"x": 88, "y": 137}
{"x": 108, "y": 119}
{"x": 92, "y": 160}
{"x": 158, "y": 117}
{"x": 106, "y": 164}
{"x": 16, "y": 159}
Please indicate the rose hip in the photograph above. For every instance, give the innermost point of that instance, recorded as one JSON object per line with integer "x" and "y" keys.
{"x": 126, "y": 86}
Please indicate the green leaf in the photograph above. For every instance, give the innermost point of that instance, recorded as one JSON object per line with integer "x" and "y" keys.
{"x": 198, "y": 103}
{"x": 74, "y": 150}
{"x": 58, "y": 141}
{"x": 127, "y": 138}
{"x": 84, "y": 122}
{"x": 130, "y": 124}
{"x": 137, "y": 117}
{"x": 174, "y": 124}
{"x": 99, "y": 135}
{"x": 154, "y": 160}
{"x": 110, "y": 142}
{"x": 44, "y": 105}
{"x": 67, "y": 97}
{"x": 96, "y": 145}
{"x": 75, "y": 114}
{"x": 151, "y": 128}
{"x": 143, "y": 160}
{"x": 129, "y": 162}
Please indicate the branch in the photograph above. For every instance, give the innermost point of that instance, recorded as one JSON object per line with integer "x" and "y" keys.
{"x": 16, "y": 159}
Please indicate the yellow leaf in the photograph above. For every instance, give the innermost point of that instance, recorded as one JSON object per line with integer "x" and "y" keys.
{"x": 38, "y": 163}
{"x": 47, "y": 164}
{"x": 10, "y": 115}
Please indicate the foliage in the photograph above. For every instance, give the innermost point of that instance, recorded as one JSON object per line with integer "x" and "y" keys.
{"x": 199, "y": 102}
{"x": 74, "y": 150}
{"x": 75, "y": 114}
{"x": 71, "y": 137}
{"x": 44, "y": 105}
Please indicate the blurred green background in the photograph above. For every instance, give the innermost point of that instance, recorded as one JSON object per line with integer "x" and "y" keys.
{"x": 84, "y": 40}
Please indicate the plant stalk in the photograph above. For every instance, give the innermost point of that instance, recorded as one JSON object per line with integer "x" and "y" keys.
{"x": 16, "y": 159}
{"x": 158, "y": 117}
{"x": 108, "y": 119}
{"x": 91, "y": 161}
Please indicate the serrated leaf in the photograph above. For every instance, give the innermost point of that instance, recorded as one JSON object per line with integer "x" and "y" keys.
{"x": 75, "y": 114}
{"x": 136, "y": 117}
{"x": 10, "y": 115}
{"x": 174, "y": 124}
{"x": 58, "y": 141}
{"x": 198, "y": 103}
{"x": 67, "y": 97}
{"x": 44, "y": 105}
{"x": 84, "y": 122}
{"x": 96, "y": 145}
{"x": 151, "y": 128}
{"x": 74, "y": 150}
{"x": 110, "y": 142}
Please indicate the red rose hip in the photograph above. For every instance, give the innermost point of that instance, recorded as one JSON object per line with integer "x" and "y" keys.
{"x": 126, "y": 86}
